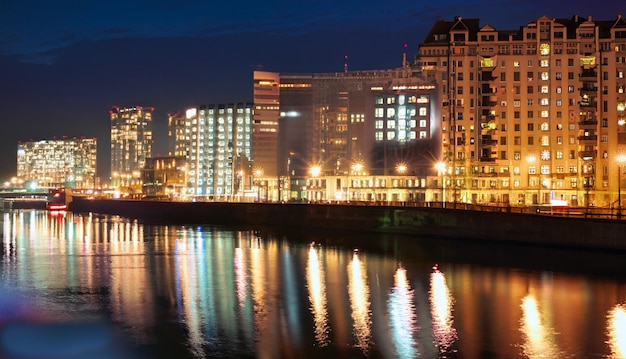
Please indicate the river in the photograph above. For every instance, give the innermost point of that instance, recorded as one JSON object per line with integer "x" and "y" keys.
{"x": 91, "y": 286}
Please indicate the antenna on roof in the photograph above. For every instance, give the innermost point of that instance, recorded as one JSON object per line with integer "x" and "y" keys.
{"x": 404, "y": 62}
{"x": 345, "y": 63}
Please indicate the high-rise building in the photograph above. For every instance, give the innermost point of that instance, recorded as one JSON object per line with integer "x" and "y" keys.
{"x": 131, "y": 144}
{"x": 375, "y": 118}
{"x": 217, "y": 148}
{"x": 176, "y": 135}
{"x": 265, "y": 122}
{"x": 58, "y": 163}
{"x": 532, "y": 115}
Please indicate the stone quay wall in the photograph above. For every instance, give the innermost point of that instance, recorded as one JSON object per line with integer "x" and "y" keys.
{"x": 536, "y": 229}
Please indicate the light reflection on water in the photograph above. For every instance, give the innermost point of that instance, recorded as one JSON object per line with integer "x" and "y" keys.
{"x": 402, "y": 313}
{"x": 441, "y": 310}
{"x": 616, "y": 329}
{"x": 359, "y": 302}
{"x": 317, "y": 296}
{"x": 194, "y": 292}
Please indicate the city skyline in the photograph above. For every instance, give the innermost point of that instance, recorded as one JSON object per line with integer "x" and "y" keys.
{"x": 62, "y": 73}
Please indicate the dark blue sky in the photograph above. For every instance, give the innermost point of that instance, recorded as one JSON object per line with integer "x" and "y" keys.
{"x": 63, "y": 64}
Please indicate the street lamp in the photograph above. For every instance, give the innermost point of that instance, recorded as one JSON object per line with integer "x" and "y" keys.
{"x": 441, "y": 169}
{"x": 621, "y": 160}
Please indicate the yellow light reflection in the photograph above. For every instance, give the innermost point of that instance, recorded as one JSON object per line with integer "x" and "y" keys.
{"x": 538, "y": 340}
{"x": 317, "y": 295}
{"x": 616, "y": 328}
{"x": 240, "y": 277}
{"x": 359, "y": 302}
{"x": 441, "y": 311}
{"x": 402, "y": 316}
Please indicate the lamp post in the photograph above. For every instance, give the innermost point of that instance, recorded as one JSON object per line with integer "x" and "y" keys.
{"x": 441, "y": 169}
{"x": 620, "y": 159}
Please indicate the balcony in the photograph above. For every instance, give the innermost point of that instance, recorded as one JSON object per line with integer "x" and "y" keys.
{"x": 588, "y": 124}
{"x": 588, "y": 88}
{"x": 587, "y": 155}
{"x": 588, "y": 139}
{"x": 588, "y": 74}
{"x": 487, "y": 159}
{"x": 488, "y": 141}
{"x": 587, "y": 104}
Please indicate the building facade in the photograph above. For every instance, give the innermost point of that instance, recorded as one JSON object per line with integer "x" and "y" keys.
{"x": 131, "y": 144}
{"x": 58, "y": 163}
{"x": 531, "y": 115}
{"x": 165, "y": 177}
{"x": 217, "y": 148}
{"x": 265, "y": 123}
{"x": 377, "y": 122}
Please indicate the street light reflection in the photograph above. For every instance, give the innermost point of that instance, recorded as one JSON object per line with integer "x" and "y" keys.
{"x": 616, "y": 331}
{"x": 317, "y": 295}
{"x": 538, "y": 338}
{"x": 441, "y": 311}
{"x": 359, "y": 302}
{"x": 402, "y": 316}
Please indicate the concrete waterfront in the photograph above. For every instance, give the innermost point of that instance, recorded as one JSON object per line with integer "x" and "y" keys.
{"x": 501, "y": 226}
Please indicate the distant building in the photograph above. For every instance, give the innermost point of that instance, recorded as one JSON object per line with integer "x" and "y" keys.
{"x": 533, "y": 114}
{"x": 165, "y": 177}
{"x": 265, "y": 123}
{"x": 354, "y": 121}
{"x": 58, "y": 163}
{"x": 131, "y": 144}
{"x": 176, "y": 135}
{"x": 217, "y": 148}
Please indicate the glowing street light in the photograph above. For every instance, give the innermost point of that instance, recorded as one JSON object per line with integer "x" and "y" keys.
{"x": 621, "y": 160}
{"x": 315, "y": 171}
{"x": 401, "y": 168}
{"x": 441, "y": 170}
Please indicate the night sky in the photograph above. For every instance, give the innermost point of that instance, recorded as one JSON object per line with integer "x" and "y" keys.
{"x": 63, "y": 64}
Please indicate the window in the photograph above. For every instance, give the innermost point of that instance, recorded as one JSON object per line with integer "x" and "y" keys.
{"x": 516, "y": 127}
{"x": 559, "y": 140}
{"x": 379, "y": 112}
{"x": 517, "y": 155}
{"x": 559, "y": 154}
{"x": 531, "y": 140}
{"x": 545, "y": 126}
{"x": 531, "y": 127}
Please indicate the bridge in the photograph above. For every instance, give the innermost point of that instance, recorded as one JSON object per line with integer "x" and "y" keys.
{"x": 25, "y": 198}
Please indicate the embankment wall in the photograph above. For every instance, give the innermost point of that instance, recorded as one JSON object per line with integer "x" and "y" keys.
{"x": 423, "y": 221}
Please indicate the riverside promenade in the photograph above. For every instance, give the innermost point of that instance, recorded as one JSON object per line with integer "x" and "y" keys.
{"x": 484, "y": 225}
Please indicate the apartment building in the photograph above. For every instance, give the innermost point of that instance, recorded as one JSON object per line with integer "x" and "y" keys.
{"x": 533, "y": 115}
{"x": 131, "y": 144}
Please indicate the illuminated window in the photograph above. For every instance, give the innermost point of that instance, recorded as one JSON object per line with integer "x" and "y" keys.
{"x": 545, "y": 114}
{"x": 545, "y": 75}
